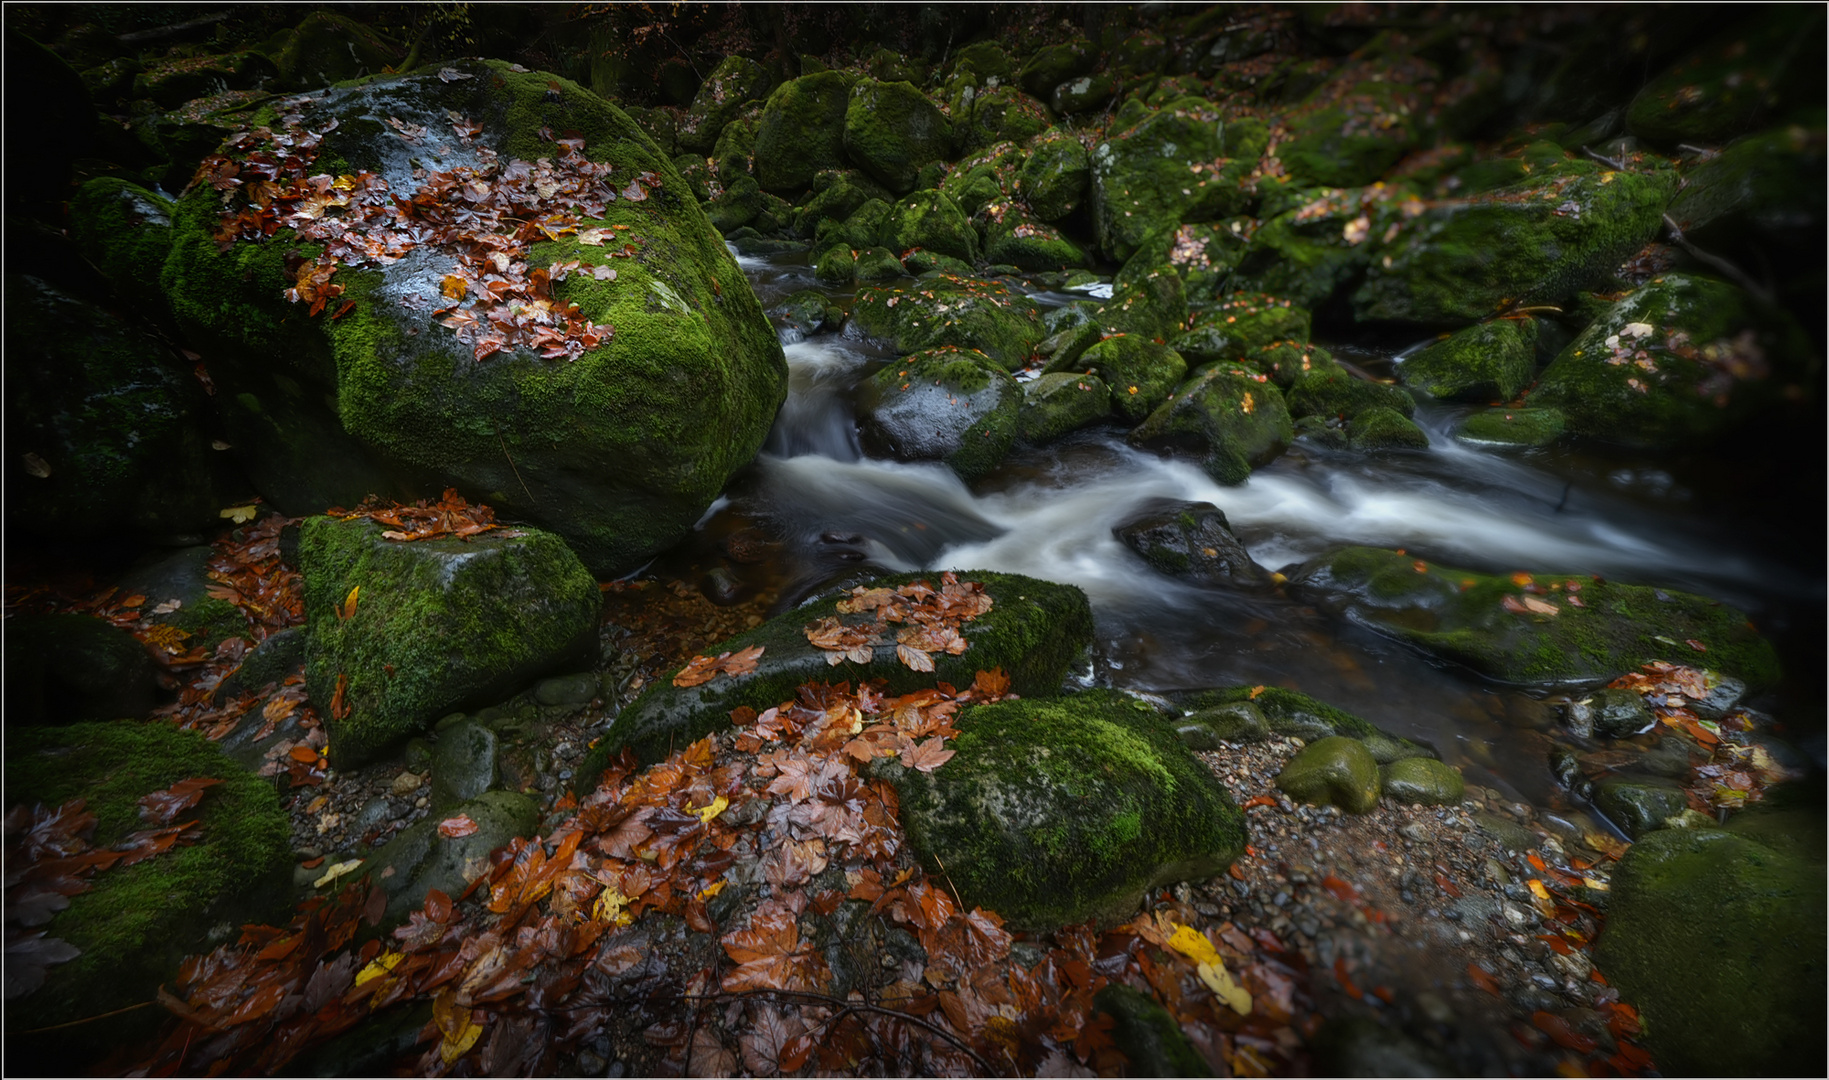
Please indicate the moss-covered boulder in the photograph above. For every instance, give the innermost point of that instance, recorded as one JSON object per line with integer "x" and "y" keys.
{"x": 1288, "y": 712}
{"x": 933, "y": 222}
{"x": 1288, "y": 363}
{"x": 1003, "y": 114}
{"x": 734, "y": 83}
{"x": 1354, "y": 126}
{"x": 1727, "y": 84}
{"x": 1182, "y": 163}
{"x": 1421, "y": 780}
{"x": 735, "y": 206}
{"x": 1337, "y": 769}
{"x": 1315, "y": 243}
{"x": 948, "y": 310}
{"x": 1058, "y": 403}
{"x": 1152, "y": 1041}
{"x": 1035, "y": 631}
{"x": 801, "y": 131}
{"x": 678, "y": 385}
{"x": 1238, "y": 325}
{"x": 175, "y": 80}
{"x": 1153, "y": 305}
{"x": 1463, "y": 260}
{"x": 439, "y": 624}
{"x": 1335, "y": 392}
{"x": 892, "y": 130}
{"x": 876, "y": 264}
{"x": 1189, "y": 540}
{"x": 1230, "y": 419}
{"x": 135, "y": 923}
{"x": 865, "y": 227}
{"x": 1139, "y": 372}
{"x": 1083, "y": 94}
{"x": 836, "y": 265}
{"x": 328, "y": 48}
{"x": 1512, "y": 427}
{"x": 67, "y": 668}
{"x": 1054, "y": 175}
{"x": 1057, "y": 811}
{"x": 1052, "y": 65}
{"x": 124, "y": 231}
{"x": 836, "y": 195}
{"x": 949, "y": 405}
{"x": 1721, "y": 930}
{"x": 1764, "y": 194}
{"x": 106, "y": 430}
{"x": 1202, "y": 256}
{"x": 1683, "y": 358}
{"x": 1598, "y": 630}
{"x": 1384, "y": 428}
{"x": 1015, "y": 239}
{"x": 1490, "y": 362}
{"x": 983, "y": 177}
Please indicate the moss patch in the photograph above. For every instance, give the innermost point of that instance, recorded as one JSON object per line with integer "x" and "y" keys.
{"x": 1230, "y": 418}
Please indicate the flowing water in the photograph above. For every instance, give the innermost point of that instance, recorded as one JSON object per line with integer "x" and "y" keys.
{"x": 1049, "y": 513}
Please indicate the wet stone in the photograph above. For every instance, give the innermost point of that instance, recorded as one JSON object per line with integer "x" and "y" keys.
{"x": 463, "y": 763}
{"x": 1421, "y": 780}
{"x": 1337, "y": 770}
{"x": 1639, "y": 804}
{"x": 1507, "y": 832}
{"x": 577, "y": 689}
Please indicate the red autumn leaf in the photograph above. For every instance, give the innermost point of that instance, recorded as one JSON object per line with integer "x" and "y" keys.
{"x": 339, "y": 707}
{"x": 457, "y": 827}
{"x": 990, "y": 685}
{"x": 161, "y": 807}
{"x": 926, "y": 756}
{"x": 1564, "y": 1036}
{"x": 302, "y": 754}
{"x": 1483, "y": 980}
{"x": 1340, "y": 889}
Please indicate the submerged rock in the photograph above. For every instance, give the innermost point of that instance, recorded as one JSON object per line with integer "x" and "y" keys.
{"x": 1190, "y": 540}
{"x": 947, "y": 405}
{"x": 1287, "y": 712}
{"x": 439, "y": 624}
{"x": 1055, "y": 812}
{"x": 1571, "y": 629}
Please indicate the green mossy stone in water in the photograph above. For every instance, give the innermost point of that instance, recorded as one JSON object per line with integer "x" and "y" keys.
{"x": 865, "y": 227}
{"x": 1239, "y": 722}
{"x": 1683, "y": 359}
{"x": 1139, "y": 174}
{"x": 1203, "y": 256}
{"x": 1230, "y": 420}
{"x": 1239, "y": 325}
{"x": 1338, "y": 770}
{"x": 1513, "y": 427}
{"x": 836, "y": 195}
{"x": 947, "y": 310}
{"x": 922, "y": 263}
{"x": 124, "y": 231}
{"x": 801, "y": 131}
{"x": 1383, "y": 428}
{"x": 877, "y": 264}
{"x": 1054, "y": 174}
{"x": 440, "y": 624}
{"x": 947, "y": 405}
{"x": 1057, "y": 811}
{"x": 1461, "y": 261}
{"x": 1026, "y": 243}
{"x": 1287, "y": 363}
{"x": 1460, "y": 615}
{"x": 836, "y": 266}
{"x": 1639, "y": 804}
{"x": 1335, "y": 392}
{"x": 1056, "y": 404}
{"x": 1149, "y": 1037}
{"x": 1139, "y": 372}
{"x": 1712, "y": 932}
{"x": 734, "y": 83}
{"x": 1490, "y": 362}
{"x": 137, "y": 922}
{"x": 1153, "y": 306}
{"x": 1421, "y": 780}
{"x": 892, "y": 130}
{"x": 933, "y": 222}
{"x": 1291, "y": 713}
{"x": 1035, "y": 631}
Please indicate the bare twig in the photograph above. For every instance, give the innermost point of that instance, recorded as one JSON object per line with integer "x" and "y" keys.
{"x": 858, "y": 1006}
{"x": 84, "y": 1020}
{"x": 1738, "y": 276}
{"x": 511, "y": 465}
{"x": 1618, "y": 166}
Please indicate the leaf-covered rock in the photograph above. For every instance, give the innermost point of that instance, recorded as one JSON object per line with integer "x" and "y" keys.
{"x": 1057, "y": 811}
{"x": 1181, "y": 163}
{"x": 419, "y": 859}
{"x": 1202, "y": 256}
{"x": 440, "y": 624}
{"x": 1599, "y": 629}
{"x": 1238, "y": 326}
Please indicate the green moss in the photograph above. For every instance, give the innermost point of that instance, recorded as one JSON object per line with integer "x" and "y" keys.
{"x": 1230, "y": 418}
{"x": 836, "y": 266}
{"x": 1238, "y": 326}
{"x": 1056, "y": 404}
{"x": 1288, "y": 712}
{"x": 1020, "y": 241}
{"x": 932, "y": 221}
{"x": 1460, "y": 615}
{"x": 1034, "y": 631}
{"x": 1490, "y": 362}
{"x": 1151, "y": 1040}
{"x": 1053, "y": 812}
{"x": 1334, "y": 392}
{"x": 1139, "y": 175}
{"x": 946, "y": 310}
{"x": 982, "y": 178}
{"x": 1153, "y": 305}
{"x": 1513, "y": 427}
{"x": 137, "y": 922}
{"x": 1383, "y": 428}
{"x": 1140, "y": 373}
{"x": 440, "y": 624}
{"x": 892, "y": 130}
{"x": 945, "y": 405}
{"x": 1004, "y": 114}
{"x": 1054, "y": 175}
{"x": 1202, "y": 256}
{"x": 1353, "y": 127}
{"x": 801, "y": 131}
{"x": 734, "y": 83}
{"x": 124, "y": 231}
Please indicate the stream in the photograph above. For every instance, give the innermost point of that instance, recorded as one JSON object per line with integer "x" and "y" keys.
{"x": 1049, "y": 512}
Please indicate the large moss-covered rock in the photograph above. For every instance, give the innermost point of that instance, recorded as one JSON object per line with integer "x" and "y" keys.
{"x": 892, "y": 130}
{"x": 136, "y": 923}
{"x": 866, "y": 226}
{"x": 933, "y": 222}
{"x": 1288, "y": 712}
{"x": 1153, "y": 305}
{"x": 1384, "y": 428}
{"x": 1728, "y": 83}
{"x": 947, "y": 310}
{"x": 734, "y": 83}
{"x": 1353, "y": 127}
{"x": 1721, "y": 930}
{"x": 1229, "y": 418}
{"x": 1683, "y": 358}
{"x": 1083, "y": 94}
{"x": 439, "y": 624}
{"x": 1181, "y": 163}
{"x": 1338, "y": 770}
{"x": 124, "y": 231}
{"x": 1761, "y": 200}
{"x": 1314, "y": 243}
{"x": 1331, "y": 391}
{"x": 802, "y": 131}
{"x": 1140, "y": 372}
{"x": 949, "y": 405}
{"x": 1004, "y": 114}
{"x": 1054, "y": 175}
{"x": 1240, "y": 324}
{"x": 1489, "y": 362}
{"x": 1464, "y": 260}
{"x": 1058, "y": 403}
{"x": 1484, "y": 622}
{"x": 1035, "y": 631}
{"x": 385, "y": 399}
{"x": 984, "y": 177}
{"x": 327, "y": 48}
{"x": 106, "y": 430}
{"x": 1058, "y": 811}
{"x": 1202, "y": 256}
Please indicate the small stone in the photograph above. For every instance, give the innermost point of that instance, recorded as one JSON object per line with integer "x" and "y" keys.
{"x": 406, "y": 783}
{"x": 421, "y": 803}
{"x": 566, "y": 689}
{"x": 1421, "y": 780}
{"x": 1336, "y": 769}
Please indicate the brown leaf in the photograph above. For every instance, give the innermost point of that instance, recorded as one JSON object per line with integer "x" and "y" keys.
{"x": 915, "y": 659}
{"x": 161, "y": 807}
{"x": 456, "y": 827}
{"x": 927, "y": 756}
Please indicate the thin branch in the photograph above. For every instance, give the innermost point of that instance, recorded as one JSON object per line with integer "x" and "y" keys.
{"x": 511, "y": 465}
{"x": 84, "y": 1020}
{"x": 1739, "y": 276}
{"x": 1617, "y": 166}
{"x": 859, "y": 1006}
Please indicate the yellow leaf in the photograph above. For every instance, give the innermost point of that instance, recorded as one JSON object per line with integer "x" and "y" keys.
{"x": 609, "y": 908}
{"x": 452, "y": 1049}
{"x": 1538, "y": 890}
{"x": 708, "y": 812}
{"x": 336, "y": 872}
{"x": 349, "y": 604}
{"x": 1594, "y": 883}
{"x": 1194, "y": 945}
{"x": 711, "y": 890}
{"x": 1219, "y": 980}
{"x": 379, "y": 966}
{"x": 239, "y": 514}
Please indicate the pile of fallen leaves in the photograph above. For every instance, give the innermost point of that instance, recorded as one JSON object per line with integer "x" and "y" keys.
{"x": 776, "y": 838}
{"x": 49, "y": 859}
{"x": 1736, "y": 772}
{"x": 930, "y": 618}
{"x": 424, "y": 520}
{"x": 483, "y": 218}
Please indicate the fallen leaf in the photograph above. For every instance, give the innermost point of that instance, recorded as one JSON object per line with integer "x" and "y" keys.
{"x": 239, "y": 514}
{"x": 335, "y": 872}
{"x": 457, "y": 826}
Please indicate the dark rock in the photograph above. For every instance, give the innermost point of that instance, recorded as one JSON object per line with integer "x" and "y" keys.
{"x": 1361, "y": 1046}
{"x": 1192, "y": 541}
{"x": 1154, "y": 1044}
{"x": 1639, "y": 804}
{"x": 281, "y": 654}
{"x": 1611, "y": 714}
{"x": 1232, "y": 422}
{"x": 418, "y": 859}
{"x": 463, "y": 764}
{"x": 65, "y": 668}
{"x": 1290, "y": 713}
{"x": 945, "y": 405}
